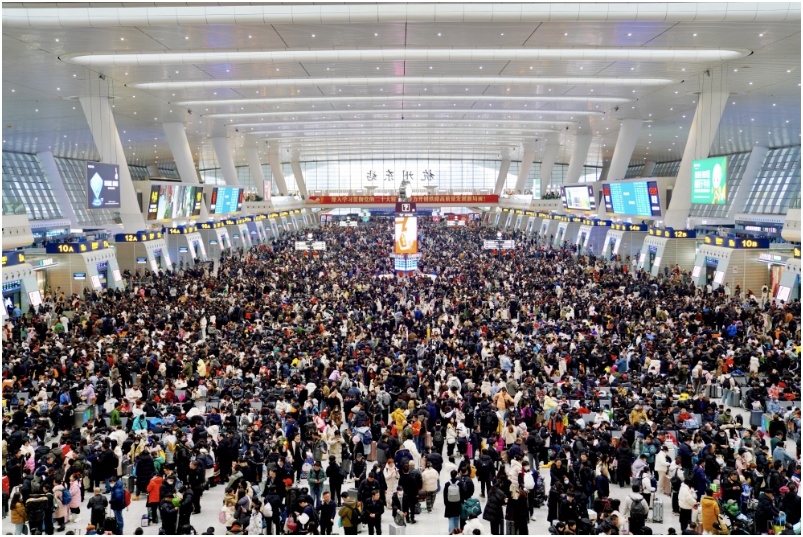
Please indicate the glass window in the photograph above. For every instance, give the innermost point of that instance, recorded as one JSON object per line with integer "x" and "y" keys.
{"x": 777, "y": 183}
{"x": 634, "y": 171}
{"x": 666, "y": 169}
{"x": 24, "y": 183}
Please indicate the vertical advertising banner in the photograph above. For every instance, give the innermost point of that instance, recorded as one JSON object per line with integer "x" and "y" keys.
{"x": 709, "y": 181}
{"x": 406, "y": 235}
{"x": 102, "y": 185}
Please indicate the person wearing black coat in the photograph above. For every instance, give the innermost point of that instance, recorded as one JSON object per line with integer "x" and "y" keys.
{"x": 410, "y": 485}
{"x": 372, "y": 513}
{"x": 334, "y": 472}
{"x": 494, "y": 509}
{"x": 790, "y": 504}
{"x": 553, "y": 501}
{"x": 401, "y": 503}
{"x": 603, "y": 486}
{"x": 186, "y": 507}
{"x": 145, "y": 470}
{"x": 568, "y": 508}
{"x": 624, "y": 456}
{"x": 169, "y": 514}
{"x": 518, "y": 512}
{"x": 766, "y": 511}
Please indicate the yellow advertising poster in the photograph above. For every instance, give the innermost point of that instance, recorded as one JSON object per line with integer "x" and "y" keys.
{"x": 406, "y": 235}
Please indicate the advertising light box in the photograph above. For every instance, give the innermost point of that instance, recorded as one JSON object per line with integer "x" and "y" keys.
{"x": 102, "y": 185}
{"x": 709, "y": 181}
{"x": 579, "y": 198}
{"x": 405, "y": 235}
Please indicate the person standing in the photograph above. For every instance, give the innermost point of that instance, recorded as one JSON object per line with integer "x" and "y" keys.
{"x": 335, "y": 473}
{"x": 430, "y": 478}
{"x": 347, "y": 514}
{"x": 316, "y": 478}
{"x": 169, "y": 513}
{"x": 117, "y": 502}
{"x": 327, "y": 511}
{"x": 686, "y": 502}
{"x": 517, "y": 512}
{"x": 97, "y": 508}
{"x": 494, "y": 509}
{"x": 453, "y": 501}
{"x": 391, "y": 475}
{"x": 373, "y": 509}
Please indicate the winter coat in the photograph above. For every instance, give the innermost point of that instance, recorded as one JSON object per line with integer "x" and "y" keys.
{"x": 18, "y": 514}
{"x": 710, "y": 511}
{"x": 452, "y": 509}
{"x": 61, "y": 510}
{"x": 153, "y": 489}
{"x": 686, "y": 498}
{"x": 145, "y": 470}
{"x": 430, "y": 477}
{"x": 494, "y": 508}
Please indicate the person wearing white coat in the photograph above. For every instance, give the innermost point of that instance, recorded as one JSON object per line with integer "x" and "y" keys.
{"x": 687, "y": 499}
{"x": 661, "y": 467}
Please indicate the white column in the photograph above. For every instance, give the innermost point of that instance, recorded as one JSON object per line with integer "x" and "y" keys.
{"x": 629, "y": 130}
{"x": 295, "y": 165}
{"x": 751, "y": 170}
{"x": 704, "y": 126}
{"x": 153, "y": 170}
{"x": 182, "y": 155}
{"x": 527, "y": 157}
{"x": 548, "y": 160}
{"x": 99, "y": 115}
{"x": 225, "y": 161}
{"x": 582, "y": 143}
{"x": 252, "y": 157}
{"x": 275, "y": 162}
{"x": 56, "y": 183}
{"x": 502, "y": 177}
{"x": 649, "y": 167}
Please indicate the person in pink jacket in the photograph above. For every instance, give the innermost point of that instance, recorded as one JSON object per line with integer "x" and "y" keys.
{"x": 75, "y": 502}
{"x": 62, "y": 511}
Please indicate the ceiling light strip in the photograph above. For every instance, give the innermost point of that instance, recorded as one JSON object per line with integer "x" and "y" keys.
{"x": 143, "y": 59}
{"x": 411, "y": 112}
{"x": 407, "y": 98}
{"x": 406, "y": 80}
{"x": 399, "y": 123}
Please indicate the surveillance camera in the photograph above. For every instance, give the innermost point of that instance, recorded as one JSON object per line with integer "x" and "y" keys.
{"x": 189, "y": 112}
{"x": 616, "y": 109}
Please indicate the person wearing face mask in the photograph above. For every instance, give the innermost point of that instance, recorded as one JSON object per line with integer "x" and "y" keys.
{"x": 401, "y": 507}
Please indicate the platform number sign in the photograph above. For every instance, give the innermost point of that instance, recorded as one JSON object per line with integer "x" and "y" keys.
{"x": 405, "y": 208}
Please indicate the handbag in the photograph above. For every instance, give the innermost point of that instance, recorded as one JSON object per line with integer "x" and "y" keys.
{"x": 398, "y": 519}
{"x": 417, "y": 508}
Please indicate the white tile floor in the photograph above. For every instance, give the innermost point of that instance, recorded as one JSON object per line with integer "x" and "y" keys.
{"x": 428, "y": 524}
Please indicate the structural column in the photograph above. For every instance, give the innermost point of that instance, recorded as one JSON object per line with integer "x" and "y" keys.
{"x": 629, "y": 130}
{"x": 99, "y": 115}
{"x": 582, "y": 143}
{"x": 527, "y": 157}
{"x": 182, "y": 155}
{"x": 275, "y": 162}
{"x": 502, "y": 177}
{"x": 548, "y": 160}
{"x": 751, "y": 170}
{"x": 225, "y": 161}
{"x": 704, "y": 126}
{"x": 649, "y": 167}
{"x": 252, "y": 157}
{"x": 295, "y": 165}
{"x": 153, "y": 170}
{"x": 56, "y": 183}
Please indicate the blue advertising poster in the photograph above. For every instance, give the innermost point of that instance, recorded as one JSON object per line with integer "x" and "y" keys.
{"x": 102, "y": 185}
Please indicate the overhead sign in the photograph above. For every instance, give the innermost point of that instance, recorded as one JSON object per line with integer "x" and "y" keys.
{"x": 737, "y": 243}
{"x": 306, "y": 246}
{"x": 405, "y": 207}
{"x": 103, "y": 185}
{"x": 481, "y": 199}
{"x": 673, "y": 233}
{"x": 709, "y": 181}
{"x": 13, "y": 258}
{"x": 629, "y": 227}
{"x": 79, "y": 247}
{"x": 140, "y": 236}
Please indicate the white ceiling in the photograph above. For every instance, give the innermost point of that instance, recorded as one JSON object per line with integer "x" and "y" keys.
{"x": 320, "y": 100}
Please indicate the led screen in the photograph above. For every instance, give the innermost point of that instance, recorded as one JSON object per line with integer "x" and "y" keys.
{"x": 709, "y": 181}
{"x": 638, "y": 198}
{"x": 226, "y": 200}
{"x": 103, "y": 185}
{"x": 174, "y": 201}
{"x": 406, "y": 235}
{"x": 580, "y": 198}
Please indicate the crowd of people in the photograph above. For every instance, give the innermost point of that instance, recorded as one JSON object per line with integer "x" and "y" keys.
{"x": 324, "y": 391}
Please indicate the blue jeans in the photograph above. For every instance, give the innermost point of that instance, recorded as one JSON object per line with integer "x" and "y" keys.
{"x": 119, "y": 516}
{"x": 454, "y": 524}
{"x": 315, "y": 491}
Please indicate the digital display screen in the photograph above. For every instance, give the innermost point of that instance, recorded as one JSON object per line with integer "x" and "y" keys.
{"x": 117, "y": 276}
{"x": 783, "y": 293}
{"x": 142, "y": 260}
{"x": 406, "y": 235}
{"x": 695, "y": 273}
{"x": 96, "y": 282}
{"x": 79, "y": 275}
{"x": 639, "y": 198}
{"x": 182, "y": 249}
{"x": 709, "y": 181}
{"x": 174, "y": 201}
{"x": 579, "y": 198}
{"x": 103, "y": 186}
{"x": 226, "y": 200}
{"x": 35, "y": 298}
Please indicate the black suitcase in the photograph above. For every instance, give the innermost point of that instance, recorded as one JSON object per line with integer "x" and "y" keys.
{"x": 110, "y": 524}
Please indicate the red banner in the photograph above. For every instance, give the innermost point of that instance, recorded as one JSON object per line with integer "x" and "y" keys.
{"x": 481, "y": 199}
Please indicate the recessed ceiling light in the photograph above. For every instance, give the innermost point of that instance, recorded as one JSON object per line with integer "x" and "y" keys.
{"x": 761, "y": 35}
{"x": 439, "y": 34}
{"x": 186, "y": 37}
{"x": 375, "y": 34}
{"x": 122, "y": 39}
{"x": 480, "y": 66}
{"x": 313, "y": 35}
{"x": 57, "y": 40}
{"x": 694, "y": 35}
{"x": 735, "y": 70}
{"x": 629, "y": 35}
{"x": 565, "y": 34}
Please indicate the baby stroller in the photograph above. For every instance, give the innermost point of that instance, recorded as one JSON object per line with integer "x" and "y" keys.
{"x": 539, "y": 493}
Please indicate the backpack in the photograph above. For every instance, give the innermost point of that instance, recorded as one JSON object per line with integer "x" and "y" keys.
{"x": 126, "y": 498}
{"x": 356, "y": 517}
{"x": 639, "y": 509}
{"x": 437, "y": 437}
{"x": 367, "y": 437}
{"x": 208, "y": 462}
{"x": 66, "y": 497}
{"x": 453, "y": 494}
{"x": 470, "y": 507}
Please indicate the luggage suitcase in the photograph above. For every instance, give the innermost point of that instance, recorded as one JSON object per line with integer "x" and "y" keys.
{"x": 381, "y": 456}
{"x": 755, "y": 417}
{"x": 110, "y": 524}
{"x": 145, "y": 521}
{"x": 397, "y": 530}
{"x": 657, "y": 511}
{"x": 372, "y": 453}
{"x": 353, "y": 493}
{"x": 130, "y": 482}
{"x": 714, "y": 391}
